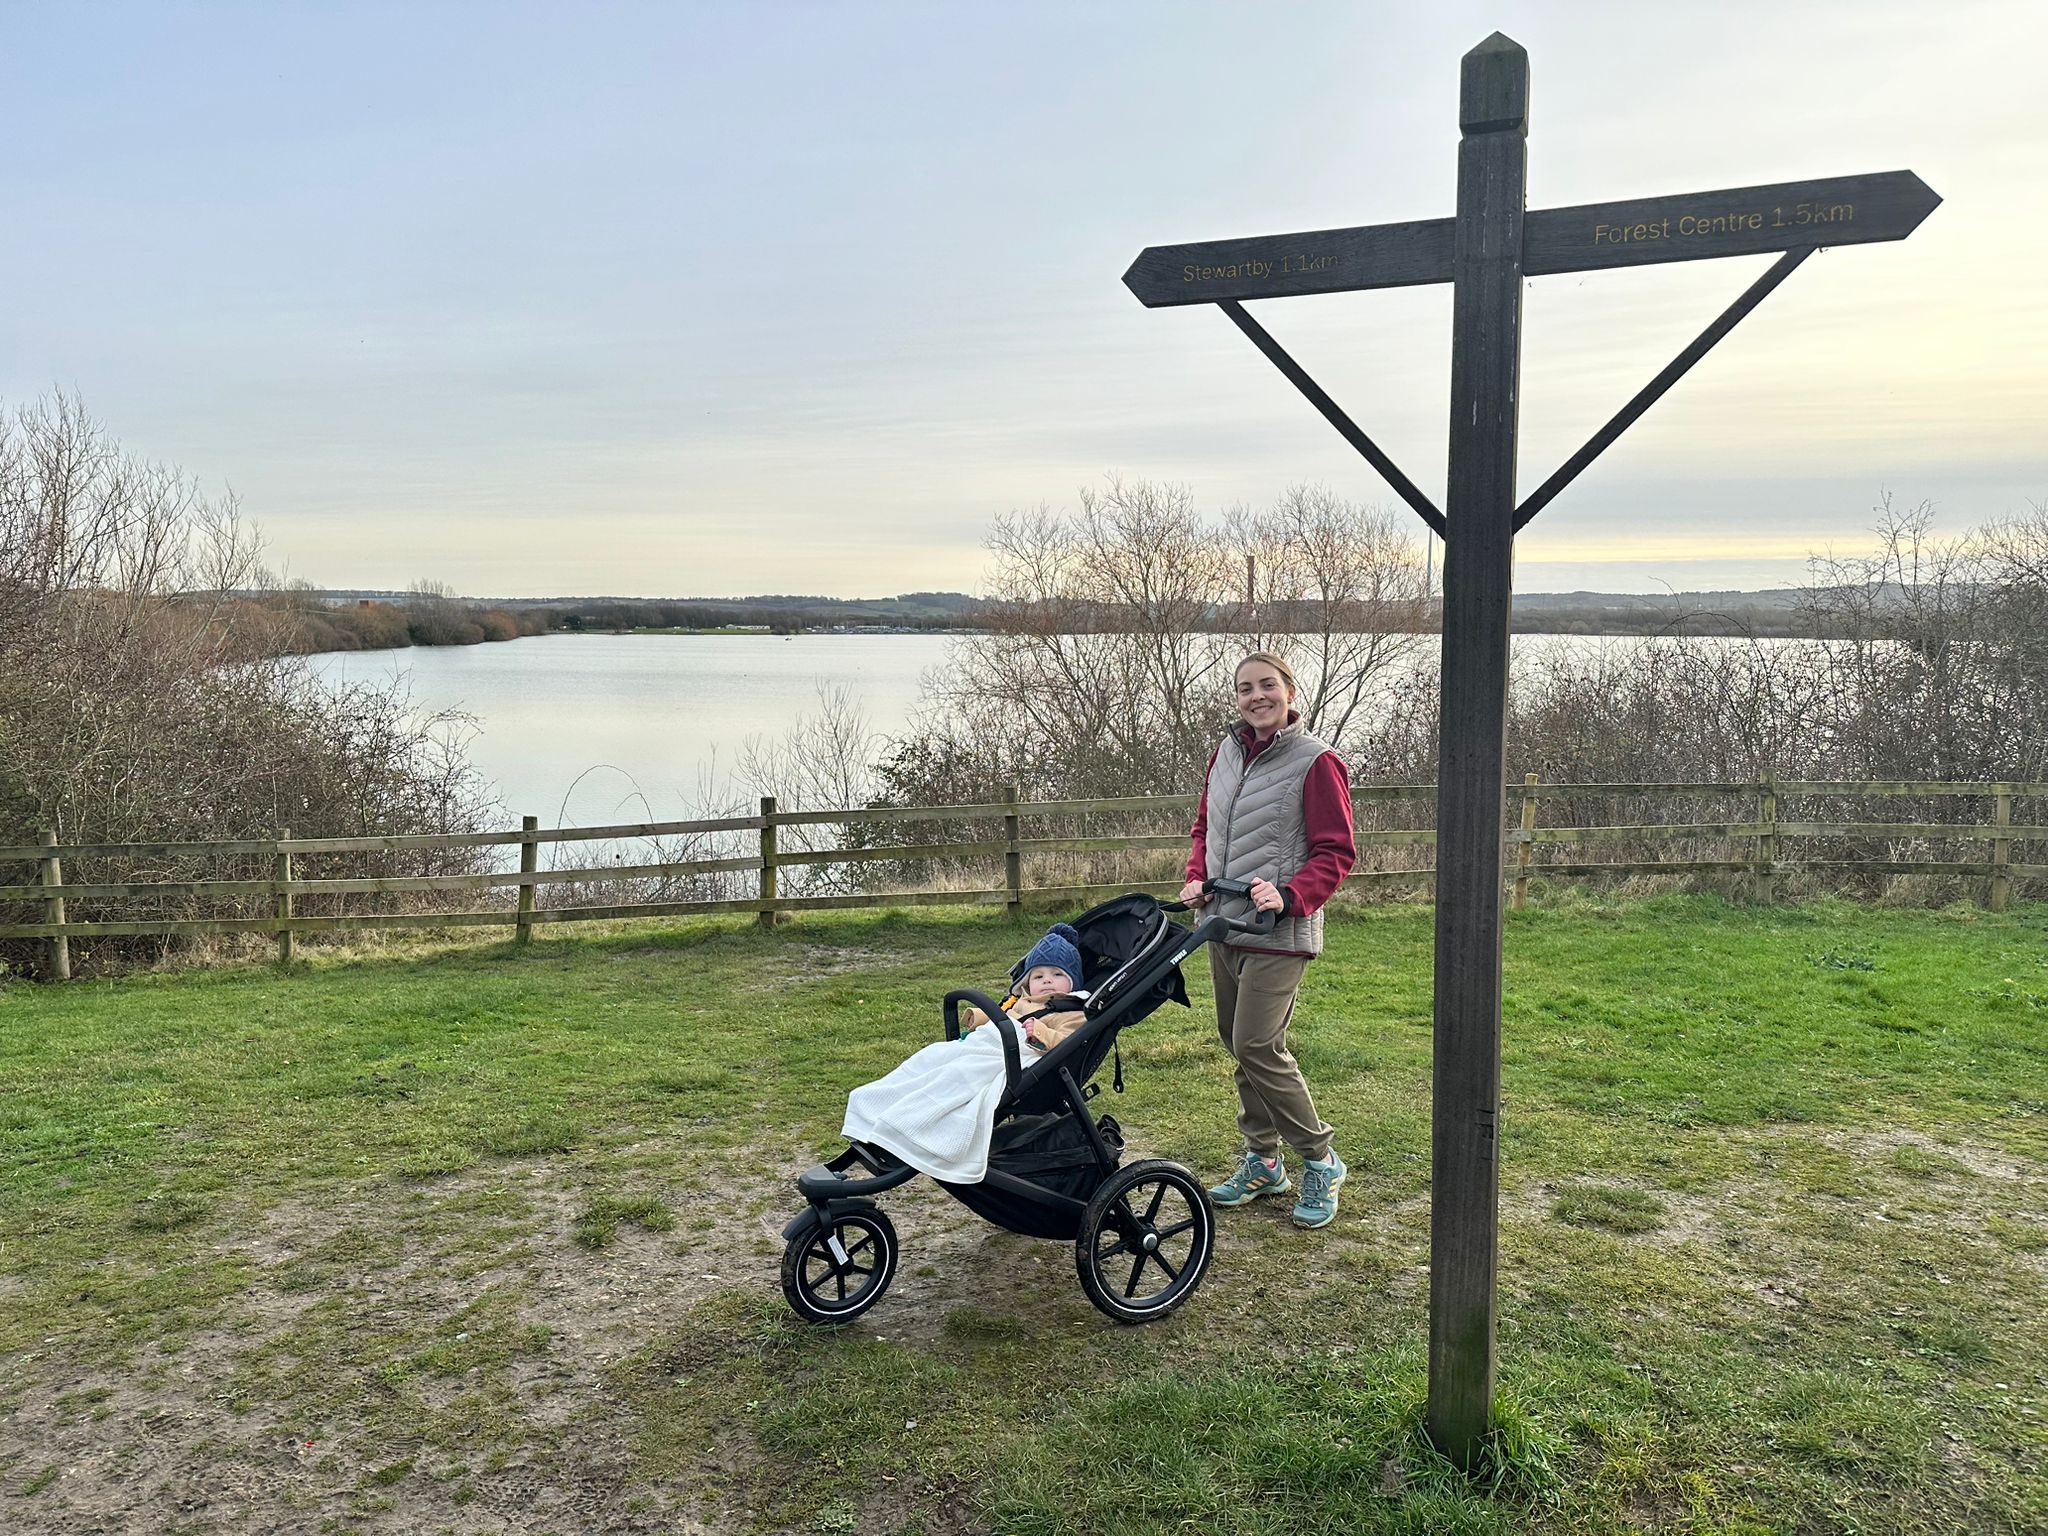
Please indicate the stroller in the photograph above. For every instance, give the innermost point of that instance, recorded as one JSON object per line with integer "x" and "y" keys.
{"x": 1142, "y": 1234}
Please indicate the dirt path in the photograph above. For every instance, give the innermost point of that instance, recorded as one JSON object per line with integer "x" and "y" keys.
{"x": 341, "y": 1389}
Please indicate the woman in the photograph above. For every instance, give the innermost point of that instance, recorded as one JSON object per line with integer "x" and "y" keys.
{"x": 1276, "y": 810}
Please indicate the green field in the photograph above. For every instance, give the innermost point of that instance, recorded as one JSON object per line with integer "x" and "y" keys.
{"x": 470, "y": 1239}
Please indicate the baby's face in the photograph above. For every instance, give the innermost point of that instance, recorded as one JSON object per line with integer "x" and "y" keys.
{"x": 1043, "y": 981}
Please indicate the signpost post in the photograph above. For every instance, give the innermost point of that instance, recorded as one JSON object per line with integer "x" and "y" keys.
{"x": 1485, "y": 252}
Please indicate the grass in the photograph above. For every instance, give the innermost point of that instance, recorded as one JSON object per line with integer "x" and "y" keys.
{"x": 598, "y": 1222}
{"x": 1616, "y": 1209}
{"x": 473, "y": 1228}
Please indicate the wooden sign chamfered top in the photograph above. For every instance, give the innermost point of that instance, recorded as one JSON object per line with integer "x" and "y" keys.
{"x": 1734, "y": 221}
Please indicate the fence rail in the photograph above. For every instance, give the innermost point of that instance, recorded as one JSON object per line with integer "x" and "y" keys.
{"x": 1764, "y": 833}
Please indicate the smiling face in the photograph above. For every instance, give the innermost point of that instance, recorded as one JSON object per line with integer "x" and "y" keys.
{"x": 1043, "y": 981}
{"x": 1263, "y": 696}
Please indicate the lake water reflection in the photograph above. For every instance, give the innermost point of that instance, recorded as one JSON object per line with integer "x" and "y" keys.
{"x": 585, "y": 730}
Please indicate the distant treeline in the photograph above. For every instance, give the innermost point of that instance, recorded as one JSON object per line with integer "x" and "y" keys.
{"x": 779, "y": 614}
{"x": 303, "y": 621}
{"x": 303, "y": 624}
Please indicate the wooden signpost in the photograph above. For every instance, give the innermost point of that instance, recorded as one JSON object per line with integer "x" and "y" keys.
{"x": 1485, "y": 252}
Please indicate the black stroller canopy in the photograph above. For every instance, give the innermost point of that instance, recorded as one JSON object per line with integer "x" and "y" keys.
{"x": 1117, "y": 933}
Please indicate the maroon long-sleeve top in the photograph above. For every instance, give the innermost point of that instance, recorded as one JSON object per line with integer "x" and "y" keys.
{"x": 1326, "y": 820}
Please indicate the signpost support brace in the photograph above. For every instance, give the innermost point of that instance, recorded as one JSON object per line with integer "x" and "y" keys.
{"x": 1649, "y": 394}
{"x": 1333, "y": 413}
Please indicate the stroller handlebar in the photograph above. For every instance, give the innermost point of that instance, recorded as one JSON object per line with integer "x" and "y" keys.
{"x": 967, "y": 995}
{"x": 1261, "y": 922}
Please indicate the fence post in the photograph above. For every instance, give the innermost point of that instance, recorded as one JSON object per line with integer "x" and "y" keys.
{"x": 282, "y": 876}
{"x": 1013, "y": 856}
{"x": 2001, "y": 849}
{"x": 1767, "y": 840}
{"x": 529, "y": 861}
{"x": 1522, "y": 853}
{"x": 59, "y": 951}
{"x": 767, "y": 918}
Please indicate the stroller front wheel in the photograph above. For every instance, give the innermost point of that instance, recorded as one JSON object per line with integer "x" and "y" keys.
{"x": 839, "y": 1268}
{"x": 1145, "y": 1241}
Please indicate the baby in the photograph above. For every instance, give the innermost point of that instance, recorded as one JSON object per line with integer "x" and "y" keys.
{"x": 1043, "y": 1000}
{"x": 937, "y": 1110}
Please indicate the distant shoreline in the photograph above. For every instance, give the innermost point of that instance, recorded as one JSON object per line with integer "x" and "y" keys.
{"x": 323, "y": 623}
{"x": 1691, "y": 627}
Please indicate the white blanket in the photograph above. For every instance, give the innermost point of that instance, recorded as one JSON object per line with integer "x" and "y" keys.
{"x": 938, "y": 1110}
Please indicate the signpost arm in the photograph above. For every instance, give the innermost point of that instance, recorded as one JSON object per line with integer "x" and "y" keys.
{"x": 1478, "y": 578}
{"x": 1332, "y": 413}
{"x": 1568, "y": 471}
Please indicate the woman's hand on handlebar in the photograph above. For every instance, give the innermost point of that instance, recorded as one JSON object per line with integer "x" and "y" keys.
{"x": 1266, "y": 897}
{"x": 1193, "y": 894}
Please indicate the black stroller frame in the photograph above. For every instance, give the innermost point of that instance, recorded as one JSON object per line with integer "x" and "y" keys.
{"x": 1143, "y": 1233}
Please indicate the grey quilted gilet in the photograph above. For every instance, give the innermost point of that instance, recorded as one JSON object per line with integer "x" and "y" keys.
{"x": 1256, "y": 829}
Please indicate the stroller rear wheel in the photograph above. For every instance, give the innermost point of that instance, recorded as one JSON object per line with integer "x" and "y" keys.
{"x": 839, "y": 1267}
{"x": 1145, "y": 1241}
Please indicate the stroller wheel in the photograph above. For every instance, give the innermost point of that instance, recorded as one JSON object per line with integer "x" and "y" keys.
{"x": 839, "y": 1268}
{"x": 1145, "y": 1241}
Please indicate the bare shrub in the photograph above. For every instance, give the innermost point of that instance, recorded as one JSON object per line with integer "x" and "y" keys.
{"x": 1100, "y": 671}
{"x": 824, "y": 761}
{"x": 1932, "y": 659}
{"x": 140, "y": 703}
{"x": 1931, "y": 654}
{"x": 1103, "y": 677}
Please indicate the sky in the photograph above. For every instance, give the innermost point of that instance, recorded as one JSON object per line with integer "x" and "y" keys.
{"x": 716, "y": 299}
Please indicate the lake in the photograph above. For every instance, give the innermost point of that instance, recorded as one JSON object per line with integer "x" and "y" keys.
{"x": 587, "y": 730}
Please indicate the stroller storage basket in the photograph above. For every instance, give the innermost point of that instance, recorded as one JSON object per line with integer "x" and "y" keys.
{"x": 1053, "y": 1154}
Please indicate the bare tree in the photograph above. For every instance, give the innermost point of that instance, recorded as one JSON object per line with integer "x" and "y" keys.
{"x": 1102, "y": 666}
{"x": 1339, "y": 590}
{"x": 1106, "y": 669}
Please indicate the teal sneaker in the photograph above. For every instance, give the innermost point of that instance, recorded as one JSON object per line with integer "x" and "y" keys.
{"x": 1319, "y": 1180}
{"x": 1254, "y": 1177}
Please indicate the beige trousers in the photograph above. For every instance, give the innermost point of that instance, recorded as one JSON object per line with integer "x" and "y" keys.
{"x": 1254, "y": 1002}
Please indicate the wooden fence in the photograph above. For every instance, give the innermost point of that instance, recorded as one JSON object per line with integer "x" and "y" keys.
{"x": 1762, "y": 837}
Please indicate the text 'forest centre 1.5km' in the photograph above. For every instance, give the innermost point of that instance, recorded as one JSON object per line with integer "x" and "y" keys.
{"x": 1289, "y": 266}
{"x": 1693, "y": 225}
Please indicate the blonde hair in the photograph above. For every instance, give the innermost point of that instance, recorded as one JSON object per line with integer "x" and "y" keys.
{"x": 1277, "y": 663}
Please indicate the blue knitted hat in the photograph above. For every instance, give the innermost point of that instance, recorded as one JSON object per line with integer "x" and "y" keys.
{"x": 1060, "y": 947}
